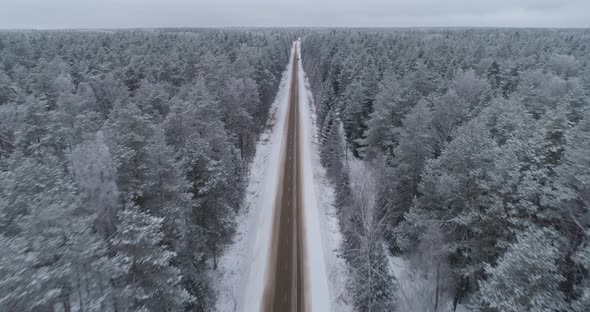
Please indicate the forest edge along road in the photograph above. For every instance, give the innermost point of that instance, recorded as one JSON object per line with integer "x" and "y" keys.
{"x": 285, "y": 282}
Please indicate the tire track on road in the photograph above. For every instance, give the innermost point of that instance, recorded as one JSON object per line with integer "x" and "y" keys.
{"x": 285, "y": 285}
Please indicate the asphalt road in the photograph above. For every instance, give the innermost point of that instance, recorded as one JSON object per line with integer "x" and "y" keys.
{"x": 285, "y": 284}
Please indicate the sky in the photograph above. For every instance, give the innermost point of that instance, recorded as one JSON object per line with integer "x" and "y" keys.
{"x": 52, "y": 14}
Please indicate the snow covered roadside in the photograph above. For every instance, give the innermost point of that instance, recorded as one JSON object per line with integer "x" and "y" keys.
{"x": 327, "y": 271}
{"x": 241, "y": 275}
{"x": 240, "y": 278}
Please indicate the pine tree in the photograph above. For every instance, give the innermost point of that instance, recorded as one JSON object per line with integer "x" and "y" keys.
{"x": 449, "y": 112}
{"x": 416, "y": 146}
{"x": 16, "y": 269}
{"x": 582, "y": 258}
{"x": 152, "y": 98}
{"x": 462, "y": 189}
{"x": 31, "y": 131}
{"x": 7, "y": 88}
{"x": 210, "y": 164}
{"x": 331, "y": 148}
{"x": 372, "y": 285}
{"x": 108, "y": 91}
{"x": 577, "y": 99}
{"x": 45, "y": 228}
{"x": 96, "y": 178}
{"x": 144, "y": 278}
{"x": 127, "y": 132}
{"x": 526, "y": 277}
{"x": 354, "y": 113}
{"x": 387, "y": 115}
{"x": 327, "y": 102}
{"x": 569, "y": 199}
{"x": 238, "y": 104}
{"x": 166, "y": 190}
{"x": 474, "y": 90}
{"x": 494, "y": 75}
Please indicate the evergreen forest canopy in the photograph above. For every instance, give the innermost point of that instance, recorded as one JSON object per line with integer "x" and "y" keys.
{"x": 123, "y": 162}
{"x": 124, "y": 157}
{"x": 479, "y": 141}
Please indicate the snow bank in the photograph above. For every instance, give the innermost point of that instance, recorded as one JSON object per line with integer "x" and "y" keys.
{"x": 241, "y": 275}
{"x": 327, "y": 272}
{"x": 242, "y": 270}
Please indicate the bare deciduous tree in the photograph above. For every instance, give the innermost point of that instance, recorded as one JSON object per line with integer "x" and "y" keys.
{"x": 426, "y": 284}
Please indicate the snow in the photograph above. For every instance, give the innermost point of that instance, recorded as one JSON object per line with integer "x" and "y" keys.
{"x": 326, "y": 271}
{"x": 241, "y": 275}
{"x": 398, "y": 267}
{"x": 242, "y": 269}
{"x": 409, "y": 287}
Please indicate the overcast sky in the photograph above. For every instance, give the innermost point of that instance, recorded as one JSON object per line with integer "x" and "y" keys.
{"x": 354, "y": 13}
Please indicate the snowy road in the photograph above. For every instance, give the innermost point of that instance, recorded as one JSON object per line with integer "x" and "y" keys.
{"x": 284, "y": 257}
{"x": 285, "y": 286}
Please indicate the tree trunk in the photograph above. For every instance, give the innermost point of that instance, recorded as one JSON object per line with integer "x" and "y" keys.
{"x": 214, "y": 256}
{"x": 100, "y": 288}
{"x": 461, "y": 291}
{"x": 79, "y": 289}
{"x": 242, "y": 146}
{"x": 437, "y": 290}
{"x": 346, "y": 151}
{"x": 87, "y": 289}
{"x": 115, "y": 303}
{"x": 66, "y": 303}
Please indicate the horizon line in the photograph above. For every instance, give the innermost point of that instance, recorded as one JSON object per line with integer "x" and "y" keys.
{"x": 288, "y": 27}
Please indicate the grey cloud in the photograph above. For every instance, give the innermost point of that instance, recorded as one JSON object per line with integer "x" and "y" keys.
{"x": 366, "y": 13}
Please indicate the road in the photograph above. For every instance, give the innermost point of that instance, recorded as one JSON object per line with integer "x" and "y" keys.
{"x": 285, "y": 284}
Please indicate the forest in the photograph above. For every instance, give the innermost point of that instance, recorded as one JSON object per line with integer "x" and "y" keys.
{"x": 460, "y": 160}
{"x": 476, "y": 144}
{"x": 123, "y": 157}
